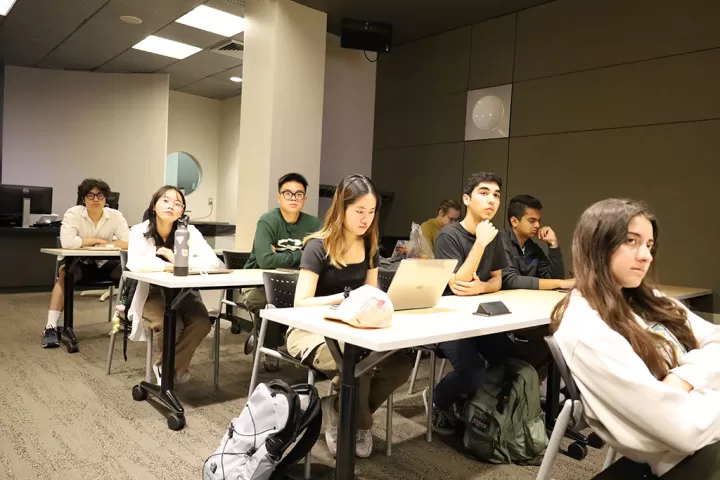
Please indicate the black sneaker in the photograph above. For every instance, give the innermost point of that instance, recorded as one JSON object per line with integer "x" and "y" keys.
{"x": 443, "y": 422}
{"x": 50, "y": 338}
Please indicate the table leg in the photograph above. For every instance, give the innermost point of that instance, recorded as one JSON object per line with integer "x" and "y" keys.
{"x": 164, "y": 394}
{"x": 347, "y": 423}
{"x": 68, "y": 333}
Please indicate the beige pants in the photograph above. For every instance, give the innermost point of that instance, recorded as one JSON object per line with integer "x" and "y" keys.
{"x": 373, "y": 388}
{"x": 195, "y": 324}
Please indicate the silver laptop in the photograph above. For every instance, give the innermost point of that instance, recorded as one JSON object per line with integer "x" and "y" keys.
{"x": 420, "y": 283}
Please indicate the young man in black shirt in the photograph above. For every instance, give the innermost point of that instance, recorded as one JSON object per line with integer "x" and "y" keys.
{"x": 527, "y": 265}
{"x": 474, "y": 244}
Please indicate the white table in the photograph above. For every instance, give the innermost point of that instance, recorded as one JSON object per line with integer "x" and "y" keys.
{"x": 72, "y": 257}
{"x": 451, "y": 319}
{"x": 176, "y": 288}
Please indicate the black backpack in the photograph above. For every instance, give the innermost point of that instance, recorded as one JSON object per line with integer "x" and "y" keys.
{"x": 256, "y": 444}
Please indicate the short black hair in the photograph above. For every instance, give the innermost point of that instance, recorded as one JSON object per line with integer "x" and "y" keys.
{"x": 479, "y": 177}
{"x": 519, "y": 204}
{"x": 292, "y": 177}
{"x": 88, "y": 184}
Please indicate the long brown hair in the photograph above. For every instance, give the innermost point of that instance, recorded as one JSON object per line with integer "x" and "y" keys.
{"x": 602, "y": 228}
{"x": 350, "y": 189}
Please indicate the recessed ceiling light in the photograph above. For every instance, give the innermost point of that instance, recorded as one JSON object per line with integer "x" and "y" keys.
{"x": 213, "y": 20}
{"x": 168, "y": 48}
{"x": 131, "y": 20}
{"x": 236, "y": 79}
{"x": 5, "y": 6}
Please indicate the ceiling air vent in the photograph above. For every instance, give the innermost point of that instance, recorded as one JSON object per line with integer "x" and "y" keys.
{"x": 231, "y": 48}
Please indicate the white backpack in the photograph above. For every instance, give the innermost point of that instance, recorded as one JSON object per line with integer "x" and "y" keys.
{"x": 255, "y": 445}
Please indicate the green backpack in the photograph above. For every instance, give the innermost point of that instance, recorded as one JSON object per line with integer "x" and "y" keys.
{"x": 504, "y": 422}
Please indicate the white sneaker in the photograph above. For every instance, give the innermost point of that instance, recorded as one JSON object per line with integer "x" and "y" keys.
{"x": 179, "y": 378}
{"x": 363, "y": 443}
{"x": 330, "y": 419}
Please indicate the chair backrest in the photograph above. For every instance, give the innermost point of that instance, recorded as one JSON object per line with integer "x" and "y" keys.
{"x": 235, "y": 260}
{"x": 385, "y": 278}
{"x": 58, "y": 243}
{"x": 563, "y": 368}
{"x": 280, "y": 288}
{"x": 123, "y": 259}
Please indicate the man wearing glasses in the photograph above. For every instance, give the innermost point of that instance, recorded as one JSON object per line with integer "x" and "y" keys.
{"x": 448, "y": 212}
{"x": 87, "y": 224}
{"x": 278, "y": 244}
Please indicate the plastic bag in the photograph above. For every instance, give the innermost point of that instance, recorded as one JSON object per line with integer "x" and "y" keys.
{"x": 418, "y": 246}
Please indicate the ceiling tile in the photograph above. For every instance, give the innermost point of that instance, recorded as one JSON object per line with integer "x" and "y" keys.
{"x": 191, "y": 36}
{"x": 104, "y": 36}
{"x": 209, "y": 87}
{"x": 136, "y": 61}
{"x": 236, "y": 7}
{"x": 203, "y": 64}
{"x": 38, "y": 26}
{"x": 178, "y": 80}
{"x": 225, "y": 75}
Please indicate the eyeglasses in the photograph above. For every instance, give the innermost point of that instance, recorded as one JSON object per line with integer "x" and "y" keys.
{"x": 175, "y": 204}
{"x": 288, "y": 195}
{"x": 93, "y": 196}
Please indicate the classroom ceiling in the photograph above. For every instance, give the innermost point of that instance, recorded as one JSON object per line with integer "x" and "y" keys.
{"x": 88, "y": 34}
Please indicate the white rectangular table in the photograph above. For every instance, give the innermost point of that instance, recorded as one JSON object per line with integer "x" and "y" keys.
{"x": 175, "y": 289}
{"x": 451, "y": 319}
{"x": 72, "y": 257}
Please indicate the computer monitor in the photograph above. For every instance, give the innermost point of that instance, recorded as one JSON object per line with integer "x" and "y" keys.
{"x": 113, "y": 200}
{"x": 17, "y": 202}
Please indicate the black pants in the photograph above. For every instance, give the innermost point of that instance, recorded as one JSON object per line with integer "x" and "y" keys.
{"x": 470, "y": 358}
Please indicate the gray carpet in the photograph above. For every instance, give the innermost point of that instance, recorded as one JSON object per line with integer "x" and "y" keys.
{"x": 61, "y": 417}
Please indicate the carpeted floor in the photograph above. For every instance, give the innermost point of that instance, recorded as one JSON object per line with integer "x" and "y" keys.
{"x": 61, "y": 417}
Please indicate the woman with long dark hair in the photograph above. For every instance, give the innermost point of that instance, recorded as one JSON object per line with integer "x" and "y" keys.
{"x": 647, "y": 368}
{"x": 151, "y": 250}
{"x": 344, "y": 254}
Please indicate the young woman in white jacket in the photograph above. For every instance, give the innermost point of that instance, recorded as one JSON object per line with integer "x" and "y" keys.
{"x": 647, "y": 368}
{"x": 151, "y": 250}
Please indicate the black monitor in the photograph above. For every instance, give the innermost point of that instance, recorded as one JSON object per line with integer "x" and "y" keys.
{"x": 113, "y": 200}
{"x": 12, "y": 203}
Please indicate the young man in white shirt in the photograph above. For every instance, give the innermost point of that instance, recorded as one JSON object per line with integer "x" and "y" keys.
{"x": 83, "y": 225}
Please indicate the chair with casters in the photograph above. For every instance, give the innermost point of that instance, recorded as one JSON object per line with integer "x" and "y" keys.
{"x": 119, "y": 327}
{"x": 103, "y": 287}
{"x": 385, "y": 278}
{"x": 280, "y": 292}
{"x": 571, "y": 417}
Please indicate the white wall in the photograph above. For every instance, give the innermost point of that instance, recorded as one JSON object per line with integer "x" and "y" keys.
{"x": 348, "y": 113}
{"x": 229, "y": 157}
{"x": 193, "y": 127}
{"x": 60, "y": 127}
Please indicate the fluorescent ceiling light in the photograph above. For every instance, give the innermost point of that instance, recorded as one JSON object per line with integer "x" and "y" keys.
{"x": 5, "y": 6}
{"x": 236, "y": 79}
{"x": 213, "y": 20}
{"x": 168, "y": 48}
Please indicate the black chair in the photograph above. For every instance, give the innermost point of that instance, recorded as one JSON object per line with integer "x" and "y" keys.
{"x": 84, "y": 285}
{"x": 235, "y": 261}
{"x": 571, "y": 416}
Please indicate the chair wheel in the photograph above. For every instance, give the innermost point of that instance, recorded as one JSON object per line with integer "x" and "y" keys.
{"x": 176, "y": 422}
{"x": 235, "y": 329}
{"x": 595, "y": 441}
{"x": 577, "y": 450}
{"x": 139, "y": 394}
{"x": 72, "y": 348}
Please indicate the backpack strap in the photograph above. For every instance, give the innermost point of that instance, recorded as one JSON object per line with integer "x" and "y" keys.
{"x": 277, "y": 443}
{"x": 310, "y": 423}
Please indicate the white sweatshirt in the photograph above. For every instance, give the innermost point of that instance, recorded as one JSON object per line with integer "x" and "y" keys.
{"x": 142, "y": 257}
{"x": 638, "y": 415}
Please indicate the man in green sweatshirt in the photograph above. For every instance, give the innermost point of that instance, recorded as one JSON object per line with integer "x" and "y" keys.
{"x": 278, "y": 243}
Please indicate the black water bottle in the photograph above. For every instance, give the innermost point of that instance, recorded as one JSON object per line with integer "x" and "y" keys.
{"x": 182, "y": 252}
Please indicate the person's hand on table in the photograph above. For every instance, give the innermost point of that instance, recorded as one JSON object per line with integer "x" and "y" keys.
{"x": 465, "y": 289}
{"x": 167, "y": 254}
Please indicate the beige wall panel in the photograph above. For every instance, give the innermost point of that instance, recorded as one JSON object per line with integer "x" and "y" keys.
{"x": 493, "y": 46}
